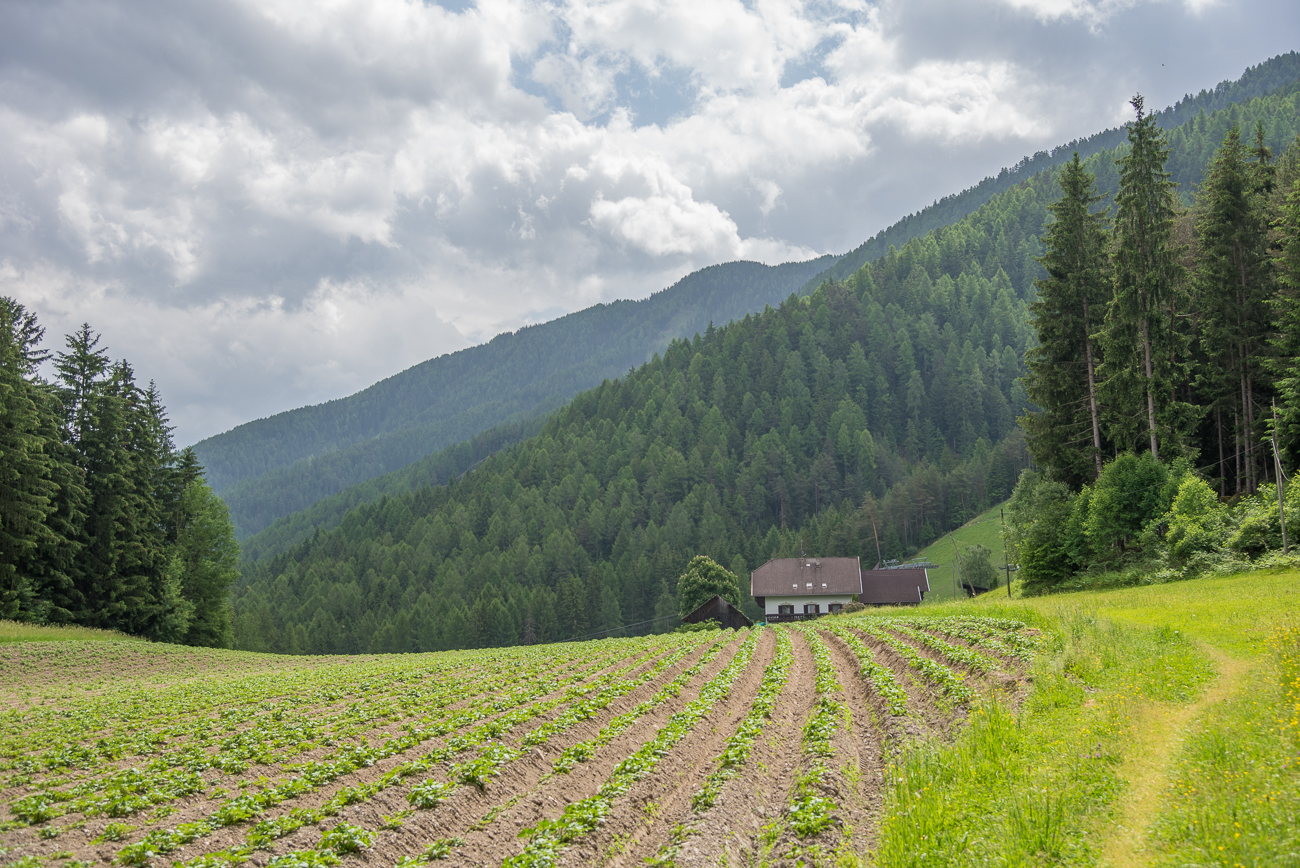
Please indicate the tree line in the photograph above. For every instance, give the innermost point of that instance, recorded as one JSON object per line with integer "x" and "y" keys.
{"x": 1168, "y": 361}
{"x": 103, "y": 522}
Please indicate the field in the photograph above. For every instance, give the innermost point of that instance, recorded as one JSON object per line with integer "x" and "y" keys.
{"x": 1088, "y": 729}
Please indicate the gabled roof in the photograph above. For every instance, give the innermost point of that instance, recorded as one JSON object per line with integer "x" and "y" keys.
{"x": 900, "y": 585}
{"x": 717, "y": 609}
{"x": 803, "y": 577}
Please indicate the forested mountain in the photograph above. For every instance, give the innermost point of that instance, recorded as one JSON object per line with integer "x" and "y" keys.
{"x": 883, "y": 406}
{"x": 102, "y": 521}
{"x": 277, "y": 466}
{"x": 272, "y": 468}
{"x": 1261, "y": 80}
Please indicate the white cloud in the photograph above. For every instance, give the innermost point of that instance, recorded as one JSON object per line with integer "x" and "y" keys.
{"x": 267, "y": 203}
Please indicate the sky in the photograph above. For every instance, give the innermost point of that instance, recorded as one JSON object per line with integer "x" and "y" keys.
{"x": 263, "y": 205}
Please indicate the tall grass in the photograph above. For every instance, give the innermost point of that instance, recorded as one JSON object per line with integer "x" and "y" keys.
{"x": 17, "y": 631}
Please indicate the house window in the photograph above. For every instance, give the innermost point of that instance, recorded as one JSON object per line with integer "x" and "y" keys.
{"x": 835, "y": 608}
{"x": 811, "y": 608}
{"x": 785, "y": 609}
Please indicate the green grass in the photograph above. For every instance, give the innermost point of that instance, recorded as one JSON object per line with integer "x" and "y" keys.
{"x": 17, "y": 631}
{"x": 985, "y": 530}
{"x": 1162, "y": 728}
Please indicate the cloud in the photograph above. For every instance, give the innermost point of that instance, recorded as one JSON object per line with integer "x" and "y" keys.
{"x": 263, "y": 204}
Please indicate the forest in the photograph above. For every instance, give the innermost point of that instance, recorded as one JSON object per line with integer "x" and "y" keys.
{"x": 1166, "y": 378}
{"x": 103, "y": 522}
{"x": 883, "y": 406}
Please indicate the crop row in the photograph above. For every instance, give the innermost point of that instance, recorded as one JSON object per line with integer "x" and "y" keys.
{"x": 951, "y": 682}
{"x": 881, "y": 678}
{"x": 955, "y": 654}
{"x": 994, "y": 634}
{"x": 809, "y": 812}
{"x": 549, "y": 837}
{"x": 511, "y": 709}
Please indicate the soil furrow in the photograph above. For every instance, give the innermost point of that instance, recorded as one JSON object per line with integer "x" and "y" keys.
{"x": 647, "y": 814}
{"x": 526, "y": 789}
{"x": 727, "y": 833}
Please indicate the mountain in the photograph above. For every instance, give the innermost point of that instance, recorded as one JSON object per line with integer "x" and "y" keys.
{"x": 271, "y": 469}
{"x": 276, "y": 466}
{"x": 881, "y": 407}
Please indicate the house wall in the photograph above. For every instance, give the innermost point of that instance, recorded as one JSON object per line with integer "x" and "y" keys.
{"x": 771, "y": 603}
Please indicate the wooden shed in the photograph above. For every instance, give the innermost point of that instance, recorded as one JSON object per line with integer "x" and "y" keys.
{"x": 717, "y": 609}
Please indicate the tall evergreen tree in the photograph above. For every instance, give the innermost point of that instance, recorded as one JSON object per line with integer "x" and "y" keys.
{"x": 1286, "y": 342}
{"x": 1139, "y": 341}
{"x": 1065, "y": 435}
{"x": 26, "y": 488}
{"x": 1233, "y": 286}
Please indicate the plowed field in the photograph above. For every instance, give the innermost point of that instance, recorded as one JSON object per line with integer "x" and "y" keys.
{"x": 715, "y": 747}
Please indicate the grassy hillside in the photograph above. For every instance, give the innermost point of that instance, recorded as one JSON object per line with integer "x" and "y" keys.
{"x": 1162, "y": 730}
{"x": 1151, "y": 726}
{"x": 985, "y": 530}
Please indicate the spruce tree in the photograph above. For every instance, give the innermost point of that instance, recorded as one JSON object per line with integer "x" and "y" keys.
{"x": 1233, "y": 285}
{"x": 1065, "y": 434}
{"x": 1286, "y": 341}
{"x": 1139, "y": 343}
{"x": 26, "y": 488}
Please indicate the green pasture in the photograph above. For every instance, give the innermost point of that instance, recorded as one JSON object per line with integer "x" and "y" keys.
{"x": 16, "y": 631}
{"x": 1162, "y": 728}
{"x": 986, "y": 530}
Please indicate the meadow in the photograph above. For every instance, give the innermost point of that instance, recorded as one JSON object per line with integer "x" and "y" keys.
{"x": 1145, "y": 726}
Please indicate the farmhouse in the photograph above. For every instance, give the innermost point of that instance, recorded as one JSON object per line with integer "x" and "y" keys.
{"x": 793, "y": 589}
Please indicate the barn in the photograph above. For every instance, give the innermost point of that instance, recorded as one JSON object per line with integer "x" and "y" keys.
{"x": 895, "y": 585}
{"x": 796, "y": 589}
{"x": 717, "y": 609}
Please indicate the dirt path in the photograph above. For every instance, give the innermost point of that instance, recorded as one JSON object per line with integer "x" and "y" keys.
{"x": 1159, "y": 730}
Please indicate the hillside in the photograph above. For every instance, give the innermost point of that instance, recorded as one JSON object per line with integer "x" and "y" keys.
{"x": 1152, "y": 726}
{"x": 277, "y": 466}
{"x": 274, "y": 467}
{"x": 901, "y": 384}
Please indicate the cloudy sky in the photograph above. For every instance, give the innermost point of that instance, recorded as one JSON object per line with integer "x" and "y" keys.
{"x": 269, "y": 203}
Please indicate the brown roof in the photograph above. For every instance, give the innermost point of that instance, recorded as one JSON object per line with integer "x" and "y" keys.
{"x": 903, "y": 585}
{"x": 788, "y": 577}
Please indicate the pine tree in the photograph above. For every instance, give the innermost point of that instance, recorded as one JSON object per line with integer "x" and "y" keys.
{"x": 26, "y": 488}
{"x": 1139, "y": 344}
{"x": 1233, "y": 283}
{"x": 1286, "y": 342}
{"x": 1062, "y": 368}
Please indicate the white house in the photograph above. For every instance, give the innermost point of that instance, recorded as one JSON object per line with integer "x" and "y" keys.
{"x": 793, "y": 589}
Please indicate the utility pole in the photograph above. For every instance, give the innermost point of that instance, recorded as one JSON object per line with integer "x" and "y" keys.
{"x": 1281, "y": 481}
{"x": 1005, "y": 562}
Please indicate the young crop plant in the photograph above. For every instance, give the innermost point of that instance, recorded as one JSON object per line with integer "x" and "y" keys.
{"x": 881, "y": 678}
{"x": 548, "y": 838}
{"x": 952, "y": 653}
{"x": 951, "y": 682}
{"x": 978, "y": 632}
{"x": 584, "y": 750}
{"x": 809, "y": 813}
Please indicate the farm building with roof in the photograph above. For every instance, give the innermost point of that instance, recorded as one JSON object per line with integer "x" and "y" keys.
{"x": 793, "y": 589}
{"x": 796, "y": 589}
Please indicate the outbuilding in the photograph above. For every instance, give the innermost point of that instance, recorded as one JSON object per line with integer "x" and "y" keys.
{"x": 895, "y": 586}
{"x": 796, "y": 589}
{"x": 717, "y": 609}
